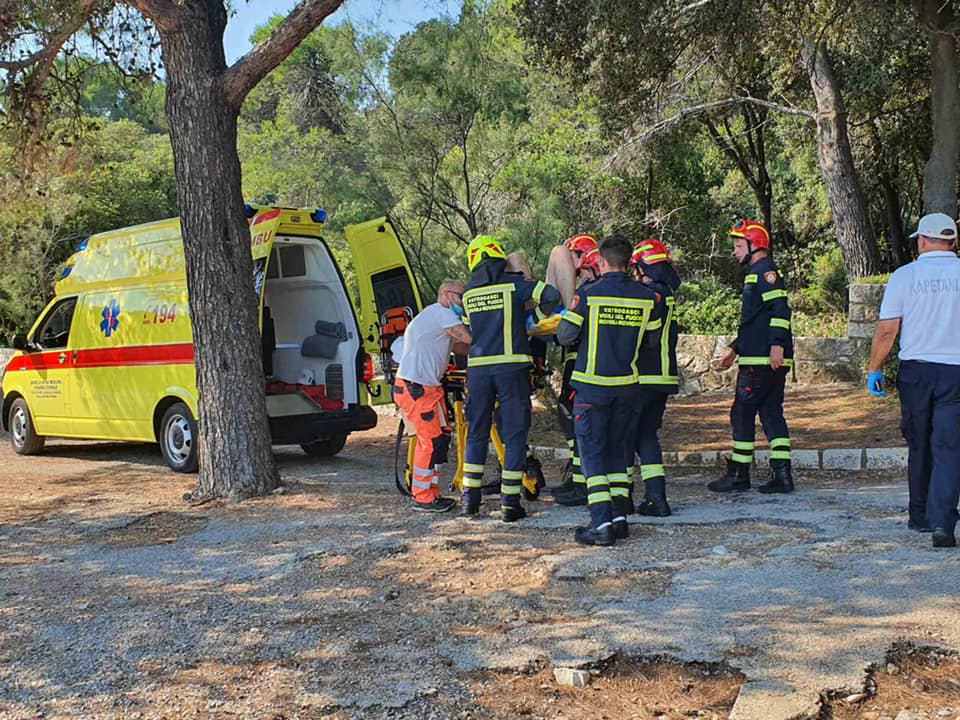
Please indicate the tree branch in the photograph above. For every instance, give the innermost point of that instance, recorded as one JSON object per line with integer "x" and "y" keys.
{"x": 244, "y": 74}
{"x": 45, "y": 56}
{"x": 666, "y": 124}
{"x": 162, "y": 13}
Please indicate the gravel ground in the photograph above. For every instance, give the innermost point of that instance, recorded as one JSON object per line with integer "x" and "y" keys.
{"x": 334, "y": 600}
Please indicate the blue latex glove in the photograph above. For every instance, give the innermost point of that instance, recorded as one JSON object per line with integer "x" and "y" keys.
{"x": 875, "y": 383}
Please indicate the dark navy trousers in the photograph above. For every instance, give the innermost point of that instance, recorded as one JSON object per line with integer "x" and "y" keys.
{"x": 759, "y": 391}
{"x": 651, "y": 404}
{"x": 604, "y": 420}
{"x": 930, "y": 423}
{"x": 512, "y": 390}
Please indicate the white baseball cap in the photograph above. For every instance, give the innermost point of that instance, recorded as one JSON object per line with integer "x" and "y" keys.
{"x": 937, "y": 225}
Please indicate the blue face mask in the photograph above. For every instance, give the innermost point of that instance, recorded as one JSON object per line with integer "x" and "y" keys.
{"x": 457, "y": 310}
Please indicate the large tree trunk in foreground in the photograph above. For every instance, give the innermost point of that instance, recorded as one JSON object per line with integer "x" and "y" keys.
{"x": 236, "y": 457}
{"x": 861, "y": 256}
{"x": 940, "y": 176}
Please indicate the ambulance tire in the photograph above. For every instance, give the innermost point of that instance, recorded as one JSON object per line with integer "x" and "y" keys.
{"x": 179, "y": 439}
{"x": 23, "y": 437}
{"x": 325, "y": 447}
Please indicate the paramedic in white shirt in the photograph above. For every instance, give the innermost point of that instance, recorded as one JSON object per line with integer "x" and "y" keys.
{"x": 922, "y": 304}
{"x": 427, "y": 343}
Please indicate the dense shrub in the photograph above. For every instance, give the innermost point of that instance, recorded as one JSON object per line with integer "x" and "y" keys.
{"x": 826, "y": 290}
{"x": 826, "y": 325}
{"x": 707, "y": 307}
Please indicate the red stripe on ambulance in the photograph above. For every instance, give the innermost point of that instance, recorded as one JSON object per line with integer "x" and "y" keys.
{"x": 169, "y": 354}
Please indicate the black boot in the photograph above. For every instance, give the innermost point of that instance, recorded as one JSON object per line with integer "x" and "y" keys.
{"x": 592, "y": 536}
{"x": 944, "y": 538}
{"x": 654, "y": 503}
{"x": 736, "y": 479}
{"x": 782, "y": 480}
{"x": 511, "y": 514}
{"x": 470, "y": 504}
{"x": 621, "y": 508}
{"x": 575, "y": 498}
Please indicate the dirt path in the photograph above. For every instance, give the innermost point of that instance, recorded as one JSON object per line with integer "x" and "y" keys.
{"x": 333, "y": 600}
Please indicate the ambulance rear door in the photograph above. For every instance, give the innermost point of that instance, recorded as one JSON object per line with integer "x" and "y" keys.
{"x": 385, "y": 282}
{"x": 263, "y": 231}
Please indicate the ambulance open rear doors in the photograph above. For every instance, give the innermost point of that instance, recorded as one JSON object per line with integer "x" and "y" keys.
{"x": 387, "y": 290}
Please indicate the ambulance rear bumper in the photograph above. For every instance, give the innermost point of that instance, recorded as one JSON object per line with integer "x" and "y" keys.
{"x": 307, "y": 428}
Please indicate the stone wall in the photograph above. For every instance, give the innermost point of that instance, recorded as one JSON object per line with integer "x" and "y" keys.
{"x": 818, "y": 360}
{"x": 5, "y": 354}
{"x": 863, "y": 314}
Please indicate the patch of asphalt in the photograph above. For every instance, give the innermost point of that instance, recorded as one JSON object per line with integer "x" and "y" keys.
{"x": 801, "y": 592}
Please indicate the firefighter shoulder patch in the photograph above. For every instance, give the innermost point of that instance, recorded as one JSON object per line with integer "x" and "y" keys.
{"x": 771, "y": 277}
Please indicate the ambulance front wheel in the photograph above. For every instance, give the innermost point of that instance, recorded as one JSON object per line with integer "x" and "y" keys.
{"x": 178, "y": 439}
{"x": 325, "y": 447}
{"x": 23, "y": 436}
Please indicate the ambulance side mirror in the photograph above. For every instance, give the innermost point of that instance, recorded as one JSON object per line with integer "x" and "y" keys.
{"x": 19, "y": 342}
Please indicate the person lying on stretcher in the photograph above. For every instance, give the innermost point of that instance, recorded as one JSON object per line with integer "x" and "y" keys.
{"x": 574, "y": 261}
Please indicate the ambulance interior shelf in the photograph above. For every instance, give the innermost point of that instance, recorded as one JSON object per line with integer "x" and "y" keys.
{"x": 317, "y": 393}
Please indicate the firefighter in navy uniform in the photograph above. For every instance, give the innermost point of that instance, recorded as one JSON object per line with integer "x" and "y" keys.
{"x": 608, "y": 317}
{"x": 765, "y": 347}
{"x": 498, "y": 369}
{"x": 659, "y": 379}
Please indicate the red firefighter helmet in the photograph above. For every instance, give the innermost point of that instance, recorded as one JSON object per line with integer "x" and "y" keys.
{"x": 581, "y": 243}
{"x": 649, "y": 252}
{"x": 591, "y": 260}
{"x": 755, "y": 233}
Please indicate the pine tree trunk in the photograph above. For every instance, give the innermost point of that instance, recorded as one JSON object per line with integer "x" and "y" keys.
{"x": 236, "y": 458}
{"x": 861, "y": 256}
{"x": 896, "y": 238}
{"x": 940, "y": 175}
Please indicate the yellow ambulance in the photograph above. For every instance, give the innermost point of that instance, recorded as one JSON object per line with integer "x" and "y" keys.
{"x": 111, "y": 356}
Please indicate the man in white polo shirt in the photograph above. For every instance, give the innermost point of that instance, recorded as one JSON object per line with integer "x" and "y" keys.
{"x": 418, "y": 390}
{"x": 922, "y": 304}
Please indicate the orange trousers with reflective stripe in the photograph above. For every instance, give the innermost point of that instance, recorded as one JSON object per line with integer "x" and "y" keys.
{"x": 424, "y": 408}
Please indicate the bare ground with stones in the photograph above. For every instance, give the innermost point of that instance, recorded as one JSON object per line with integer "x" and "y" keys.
{"x": 334, "y": 600}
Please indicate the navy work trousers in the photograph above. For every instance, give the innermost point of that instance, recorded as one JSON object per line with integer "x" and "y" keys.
{"x": 930, "y": 423}
{"x": 759, "y": 390}
{"x": 651, "y": 404}
{"x": 512, "y": 390}
{"x": 604, "y": 422}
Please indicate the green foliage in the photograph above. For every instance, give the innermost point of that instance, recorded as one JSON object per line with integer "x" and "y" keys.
{"x": 826, "y": 291}
{"x": 875, "y": 279}
{"x": 705, "y": 307}
{"x": 828, "y": 324}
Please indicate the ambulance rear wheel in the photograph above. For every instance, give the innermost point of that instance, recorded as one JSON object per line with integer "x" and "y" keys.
{"x": 325, "y": 447}
{"x": 23, "y": 437}
{"x": 178, "y": 439}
